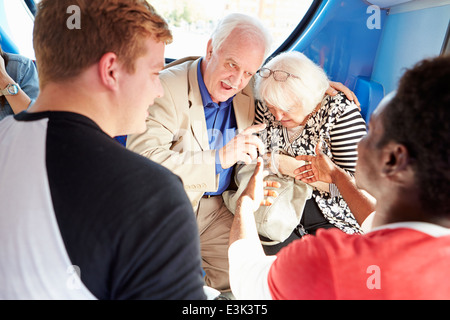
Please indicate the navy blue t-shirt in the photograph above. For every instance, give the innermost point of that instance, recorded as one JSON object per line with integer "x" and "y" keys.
{"x": 125, "y": 221}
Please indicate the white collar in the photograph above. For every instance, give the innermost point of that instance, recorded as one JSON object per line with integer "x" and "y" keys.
{"x": 433, "y": 230}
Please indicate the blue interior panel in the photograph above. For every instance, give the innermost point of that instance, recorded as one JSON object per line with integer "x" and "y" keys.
{"x": 341, "y": 39}
{"x": 409, "y": 37}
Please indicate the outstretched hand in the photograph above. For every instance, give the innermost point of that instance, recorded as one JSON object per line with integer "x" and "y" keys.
{"x": 256, "y": 193}
{"x": 319, "y": 167}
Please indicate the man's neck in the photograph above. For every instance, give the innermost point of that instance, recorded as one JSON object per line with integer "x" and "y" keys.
{"x": 74, "y": 98}
{"x": 408, "y": 208}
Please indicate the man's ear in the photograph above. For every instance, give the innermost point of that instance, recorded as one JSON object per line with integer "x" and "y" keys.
{"x": 108, "y": 69}
{"x": 396, "y": 162}
{"x": 209, "y": 50}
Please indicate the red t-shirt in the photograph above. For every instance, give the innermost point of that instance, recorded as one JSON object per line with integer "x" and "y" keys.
{"x": 391, "y": 263}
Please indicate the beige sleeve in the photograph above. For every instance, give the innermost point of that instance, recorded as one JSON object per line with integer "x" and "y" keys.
{"x": 170, "y": 142}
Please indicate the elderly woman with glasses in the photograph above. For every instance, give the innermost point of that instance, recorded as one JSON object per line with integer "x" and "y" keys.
{"x": 303, "y": 123}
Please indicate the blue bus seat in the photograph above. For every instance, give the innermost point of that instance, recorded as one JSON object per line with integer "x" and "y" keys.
{"x": 369, "y": 94}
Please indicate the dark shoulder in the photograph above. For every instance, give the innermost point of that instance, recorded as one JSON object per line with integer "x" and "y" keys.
{"x": 80, "y": 156}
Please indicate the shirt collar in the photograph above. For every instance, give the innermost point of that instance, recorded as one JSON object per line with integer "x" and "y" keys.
{"x": 424, "y": 227}
{"x": 206, "y": 97}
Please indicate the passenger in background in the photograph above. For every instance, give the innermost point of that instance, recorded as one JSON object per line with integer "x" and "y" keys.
{"x": 81, "y": 217}
{"x": 19, "y": 83}
{"x": 404, "y": 161}
{"x": 201, "y": 128}
{"x": 301, "y": 119}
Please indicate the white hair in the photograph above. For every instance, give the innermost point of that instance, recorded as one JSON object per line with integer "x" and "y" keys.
{"x": 307, "y": 91}
{"x": 248, "y": 25}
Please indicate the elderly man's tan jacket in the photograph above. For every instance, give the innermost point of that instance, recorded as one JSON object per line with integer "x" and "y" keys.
{"x": 176, "y": 134}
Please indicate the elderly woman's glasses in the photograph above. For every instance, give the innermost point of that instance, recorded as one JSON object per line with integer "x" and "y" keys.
{"x": 278, "y": 75}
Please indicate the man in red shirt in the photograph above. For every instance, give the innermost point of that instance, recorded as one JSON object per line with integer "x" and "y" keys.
{"x": 404, "y": 162}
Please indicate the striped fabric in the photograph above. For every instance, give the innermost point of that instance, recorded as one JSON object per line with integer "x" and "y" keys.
{"x": 345, "y": 135}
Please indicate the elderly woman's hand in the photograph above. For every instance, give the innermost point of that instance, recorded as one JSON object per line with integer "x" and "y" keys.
{"x": 283, "y": 163}
{"x": 288, "y": 166}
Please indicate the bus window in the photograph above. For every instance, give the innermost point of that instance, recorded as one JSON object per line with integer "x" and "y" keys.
{"x": 192, "y": 21}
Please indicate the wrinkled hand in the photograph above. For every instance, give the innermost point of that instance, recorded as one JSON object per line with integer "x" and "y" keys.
{"x": 337, "y": 86}
{"x": 256, "y": 191}
{"x": 242, "y": 148}
{"x": 283, "y": 163}
{"x": 319, "y": 168}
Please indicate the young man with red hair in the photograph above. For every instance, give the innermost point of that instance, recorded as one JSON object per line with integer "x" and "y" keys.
{"x": 81, "y": 216}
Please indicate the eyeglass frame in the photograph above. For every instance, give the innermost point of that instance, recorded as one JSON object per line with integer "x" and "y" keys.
{"x": 272, "y": 73}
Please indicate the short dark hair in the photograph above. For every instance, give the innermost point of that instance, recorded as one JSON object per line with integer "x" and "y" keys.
{"x": 419, "y": 118}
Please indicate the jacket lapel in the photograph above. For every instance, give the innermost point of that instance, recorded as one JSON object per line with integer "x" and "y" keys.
{"x": 196, "y": 111}
{"x": 244, "y": 107}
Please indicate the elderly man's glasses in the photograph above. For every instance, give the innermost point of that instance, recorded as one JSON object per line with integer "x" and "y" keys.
{"x": 278, "y": 75}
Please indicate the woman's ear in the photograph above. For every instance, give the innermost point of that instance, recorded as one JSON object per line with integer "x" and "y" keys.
{"x": 108, "y": 69}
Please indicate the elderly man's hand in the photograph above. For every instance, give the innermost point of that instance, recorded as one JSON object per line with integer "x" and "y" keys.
{"x": 337, "y": 86}
{"x": 242, "y": 148}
